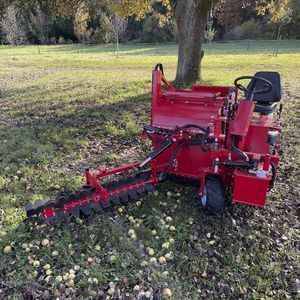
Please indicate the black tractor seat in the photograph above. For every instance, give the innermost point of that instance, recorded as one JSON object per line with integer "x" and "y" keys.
{"x": 265, "y": 108}
{"x": 266, "y": 103}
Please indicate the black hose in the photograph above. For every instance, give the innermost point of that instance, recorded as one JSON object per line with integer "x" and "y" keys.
{"x": 200, "y": 142}
{"x": 273, "y": 167}
{"x": 205, "y": 130}
{"x": 237, "y": 151}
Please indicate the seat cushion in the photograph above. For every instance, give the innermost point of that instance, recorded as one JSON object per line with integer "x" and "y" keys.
{"x": 265, "y": 108}
{"x": 274, "y": 95}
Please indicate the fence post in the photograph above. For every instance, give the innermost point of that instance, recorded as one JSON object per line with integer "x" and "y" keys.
{"x": 274, "y": 46}
{"x": 248, "y": 45}
{"x": 39, "y": 49}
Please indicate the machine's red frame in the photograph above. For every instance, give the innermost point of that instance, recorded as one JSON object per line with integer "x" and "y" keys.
{"x": 218, "y": 109}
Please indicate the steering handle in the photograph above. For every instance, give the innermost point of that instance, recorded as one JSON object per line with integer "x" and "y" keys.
{"x": 268, "y": 85}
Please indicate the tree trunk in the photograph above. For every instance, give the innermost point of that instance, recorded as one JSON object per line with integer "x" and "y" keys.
{"x": 118, "y": 46}
{"x": 226, "y": 28}
{"x": 277, "y": 40}
{"x": 278, "y": 33}
{"x": 190, "y": 16}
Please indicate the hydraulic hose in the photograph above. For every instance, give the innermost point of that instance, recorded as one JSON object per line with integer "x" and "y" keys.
{"x": 237, "y": 151}
{"x": 166, "y": 143}
{"x": 273, "y": 168}
{"x": 205, "y": 130}
{"x": 200, "y": 142}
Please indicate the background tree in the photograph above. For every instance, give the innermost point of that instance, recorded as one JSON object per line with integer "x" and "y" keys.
{"x": 209, "y": 35}
{"x": 231, "y": 13}
{"x": 102, "y": 33}
{"x": 42, "y": 26}
{"x": 232, "y": 19}
{"x": 82, "y": 32}
{"x": 12, "y": 28}
{"x": 278, "y": 12}
{"x": 118, "y": 25}
{"x": 291, "y": 30}
{"x": 157, "y": 30}
{"x": 190, "y": 17}
{"x": 62, "y": 26}
{"x": 285, "y": 19}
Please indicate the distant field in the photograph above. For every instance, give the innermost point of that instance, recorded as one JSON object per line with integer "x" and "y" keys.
{"x": 71, "y": 106}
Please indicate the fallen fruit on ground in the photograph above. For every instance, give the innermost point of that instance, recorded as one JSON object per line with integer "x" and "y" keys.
{"x": 46, "y": 267}
{"x": 151, "y": 252}
{"x": 45, "y": 242}
{"x": 7, "y": 249}
{"x": 167, "y": 292}
{"x": 162, "y": 260}
{"x": 36, "y": 264}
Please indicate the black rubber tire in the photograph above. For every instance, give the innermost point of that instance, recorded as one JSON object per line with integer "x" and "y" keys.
{"x": 215, "y": 199}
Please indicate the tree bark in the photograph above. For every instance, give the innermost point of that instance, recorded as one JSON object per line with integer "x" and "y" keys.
{"x": 118, "y": 46}
{"x": 190, "y": 17}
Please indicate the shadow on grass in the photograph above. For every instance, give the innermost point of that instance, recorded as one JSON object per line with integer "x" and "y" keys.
{"x": 49, "y": 146}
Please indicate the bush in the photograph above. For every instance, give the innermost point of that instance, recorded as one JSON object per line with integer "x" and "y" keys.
{"x": 61, "y": 40}
{"x": 248, "y": 30}
{"x": 102, "y": 36}
{"x": 53, "y": 40}
{"x": 62, "y": 26}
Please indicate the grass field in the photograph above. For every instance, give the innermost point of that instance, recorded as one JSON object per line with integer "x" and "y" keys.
{"x": 72, "y": 106}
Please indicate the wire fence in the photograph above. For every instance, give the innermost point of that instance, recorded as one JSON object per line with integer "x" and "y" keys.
{"x": 269, "y": 47}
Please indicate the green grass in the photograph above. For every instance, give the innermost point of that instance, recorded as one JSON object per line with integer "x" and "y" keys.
{"x": 71, "y": 106}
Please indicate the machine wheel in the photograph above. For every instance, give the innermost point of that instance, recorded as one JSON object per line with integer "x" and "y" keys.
{"x": 213, "y": 200}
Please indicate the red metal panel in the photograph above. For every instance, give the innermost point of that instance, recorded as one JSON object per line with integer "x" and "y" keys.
{"x": 249, "y": 189}
{"x": 169, "y": 115}
{"x": 190, "y": 160}
{"x": 256, "y": 140}
{"x": 243, "y": 118}
{"x": 200, "y": 106}
{"x": 222, "y": 90}
{"x": 156, "y": 91}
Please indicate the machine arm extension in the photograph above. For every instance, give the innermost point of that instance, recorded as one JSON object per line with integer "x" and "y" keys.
{"x": 157, "y": 152}
{"x": 237, "y": 164}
